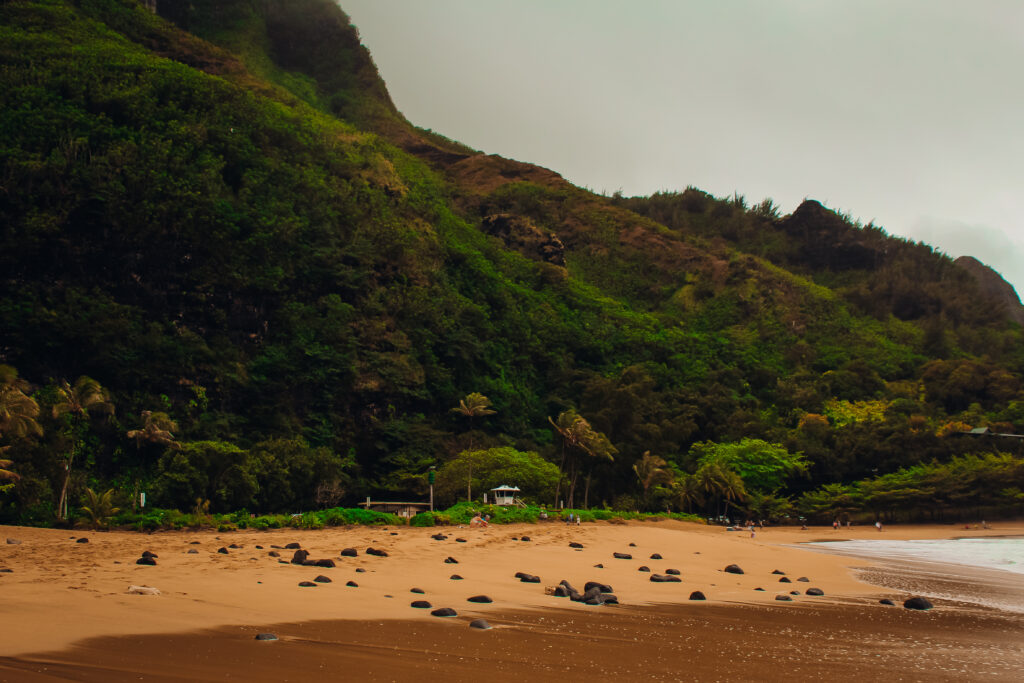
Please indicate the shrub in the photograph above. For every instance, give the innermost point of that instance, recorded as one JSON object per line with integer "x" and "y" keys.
{"x": 423, "y": 519}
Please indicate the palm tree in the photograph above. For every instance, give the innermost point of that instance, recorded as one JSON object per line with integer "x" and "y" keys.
{"x": 719, "y": 483}
{"x": 79, "y": 402}
{"x": 474, "y": 405}
{"x": 99, "y": 507}
{"x": 18, "y": 411}
{"x": 156, "y": 429}
{"x": 578, "y": 435}
{"x": 687, "y": 492}
{"x": 652, "y": 471}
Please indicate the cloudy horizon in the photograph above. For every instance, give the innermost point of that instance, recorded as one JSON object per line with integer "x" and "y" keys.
{"x": 903, "y": 113}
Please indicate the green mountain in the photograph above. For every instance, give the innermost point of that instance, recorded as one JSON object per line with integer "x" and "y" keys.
{"x": 215, "y": 210}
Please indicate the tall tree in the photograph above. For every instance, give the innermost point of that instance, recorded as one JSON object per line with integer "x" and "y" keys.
{"x": 18, "y": 410}
{"x": 652, "y": 471}
{"x": 79, "y": 403}
{"x": 578, "y": 437}
{"x": 473, "y": 406}
{"x": 157, "y": 428}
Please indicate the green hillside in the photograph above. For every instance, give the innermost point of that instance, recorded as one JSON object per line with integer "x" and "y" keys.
{"x": 285, "y": 288}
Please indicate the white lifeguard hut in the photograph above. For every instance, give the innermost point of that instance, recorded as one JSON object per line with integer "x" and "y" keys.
{"x": 505, "y": 494}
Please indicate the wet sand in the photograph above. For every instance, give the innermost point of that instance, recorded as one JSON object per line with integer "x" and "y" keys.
{"x": 67, "y": 615}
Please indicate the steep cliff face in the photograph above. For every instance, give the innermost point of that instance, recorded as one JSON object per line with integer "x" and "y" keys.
{"x": 992, "y": 284}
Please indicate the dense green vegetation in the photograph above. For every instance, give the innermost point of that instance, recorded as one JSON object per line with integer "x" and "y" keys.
{"x": 233, "y": 277}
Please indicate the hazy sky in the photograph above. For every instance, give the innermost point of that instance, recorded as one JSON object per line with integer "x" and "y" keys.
{"x": 908, "y": 114}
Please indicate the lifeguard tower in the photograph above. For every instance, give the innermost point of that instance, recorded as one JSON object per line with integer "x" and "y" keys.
{"x": 505, "y": 495}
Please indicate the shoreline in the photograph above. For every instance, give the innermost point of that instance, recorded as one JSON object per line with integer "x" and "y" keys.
{"x": 247, "y": 591}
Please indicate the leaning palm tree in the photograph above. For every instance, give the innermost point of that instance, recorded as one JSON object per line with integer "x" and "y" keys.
{"x": 652, "y": 471}
{"x": 719, "y": 483}
{"x": 474, "y": 405}
{"x": 157, "y": 428}
{"x": 99, "y": 507}
{"x": 687, "y": 492}
{"x": 6, "y": 474}
{"x": 79, "y": 402}
{"x": 18, "y": 410}
{"x": 578, "y": 436}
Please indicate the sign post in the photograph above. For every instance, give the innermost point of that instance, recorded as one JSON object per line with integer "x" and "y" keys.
{"x": 430, "y": 478}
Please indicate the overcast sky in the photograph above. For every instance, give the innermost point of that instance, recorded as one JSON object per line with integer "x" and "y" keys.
{"x": 908, "y": 114}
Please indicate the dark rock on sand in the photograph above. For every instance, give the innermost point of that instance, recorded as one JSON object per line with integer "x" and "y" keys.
{"x": 804, "y": 579}
{"x": 259, "y": 547}
{"x": 83, "y": 539}
{"x": 350, "y": 552}
{"x": 192, "y": 551}
{"x": 352, "y": 584}
{"x": 632, "y": 545}
{"x": 222, "y": 551}
{"x": 794, "y": 592}
{"x": 622, "y": 556}
{"x": 293, "y": 546}
{"x": 5, "y": 570}
{"x": 917, "y": 603}
{"x": 377, "y": 552}
{"x": 13, "y": 541}
{"x": 479, "y": 598}
{"x": 574, "y": 544}
{"x": 460, "y": 540}
{"x": 233, "y": 545}
{"x": 416, "y": 590}
{"x": 886, "y": 601}
{"x": 697, "y": 595}
{"x": 444, "y": 612}
{"x": 439, "y": 537}
{"x": 300, "y": 557}
{"x": 776, "y": 571}
{"x": 733, "y": 569}
{"x": 455, "y": 577}
{"x": 450, "y": 560}
{"x": 146, "y": 561}
{"x": 307, "y": 584}
{"x": 146, "y": 553}
{"x": 814, "y": 591}
{"x": 529, "y": 578}
{"x": 325, "y": 563}
{"x": 665, "y": 578}
{"x": 308, "y": 562}
{"x": 193, "y": 542}
{"x": 480, "y": 624}
{"x": 282, "y": 562}
{"x": 420, "y": 604}
{"x": 323, "y": 579}
{"x": 599, "y": 566}
{"x": 360, "y": 570}
{"x": 274, "y": 553}
{"x": 783, "y": 598}
{"x": 525, "y": 538}
{"x": 570, "y": 587}
{"x": 561, "y": 591}
{"x": 643, "y": 568}
{"x": 603, "y": 587}
{"x": 265, "y": 636}
{"x": 785, "y": 579}
{"x": 759, "y": 589}
{"x": 656, "y": 556}
{"x": 672, "y": 572}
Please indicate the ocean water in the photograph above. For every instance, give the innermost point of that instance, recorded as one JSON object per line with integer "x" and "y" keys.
{"x": 1006, "y": 554}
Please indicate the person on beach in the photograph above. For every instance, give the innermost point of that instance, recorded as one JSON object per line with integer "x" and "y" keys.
{"x": 878, "y": 525}
{"x": 835, "y": 525}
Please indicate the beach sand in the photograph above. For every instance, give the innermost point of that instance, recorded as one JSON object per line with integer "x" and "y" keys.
{"x": 68, "y": 616}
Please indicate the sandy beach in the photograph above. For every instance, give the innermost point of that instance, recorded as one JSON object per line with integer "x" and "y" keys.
{"x": 69, "y": 616}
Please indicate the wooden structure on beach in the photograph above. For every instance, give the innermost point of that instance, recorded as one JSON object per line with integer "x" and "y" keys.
{"x": 505, "y": 494}
{"x": 402, "y": 509}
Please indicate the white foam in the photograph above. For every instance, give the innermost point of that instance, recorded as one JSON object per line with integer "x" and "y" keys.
{"x": 1006, "y": 554}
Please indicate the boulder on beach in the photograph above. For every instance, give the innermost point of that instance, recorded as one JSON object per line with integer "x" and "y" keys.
{"x": 444, "y": 612}
{"x": 149, "y": 561}
{"x": 300, "y": 557}
{"x": 776, "y": 571}
{"x": 325, "y": 563}
{"x": 460, "y": 540}
{"x": 561, "y": 591}
{"x": 376, "y": 552}
{"x": 455, "y": 577}
{"x": 804, "y": 579}
{"x": 322, "y": 579}
{"x": 192, "y": 551}
{"x": 632, "y": 545}
{"x": 529, "y": 578}
{"x": 665, "y": 578}
{"x": 274, "y": 553}
{"x": 479, "y": 624}
{"x": 450, "y": 560}
{"x": 352, "y": 584}
{"x": 143, "y": 590}
{"x": 146, "y": 553}
{"x": 599, "y": 566}
{"x": 672, "y": 572}
{"x": 259, "y": 547}
{"x": 235, "y": 546}
{"x": 603, "y": 587}
{"x": 814, "y": 591}
{"x": 886, "y": 601}
{"x": 783, "y": 598}
{"x": 655, "y": 556}
{"x": 697, "y": 595}
{"x": 785, "y": 579}
{"x": 479, "y": 598}
{"x": 759, "y": 589}
{"x": 13, "y": 541}
{"x": 222, "y": 551}
{"x": 622, "y": 556}
{"x": 265, "y": 636}
{"x": 416, "y": 590}
{"x": 794, "y": 592}
{"x": 733, "y": 569}
{"x": 918, "y": 603}
{"x": 307, "y": 584}
{"x": 293, "y": 546}
{"x": 349, "y": 552}
{"x": 439, "y": 537}
{"x": 83, "y": 539}
{"x": 643, "y": 568}
{"x": 360, "y": 570}
{"x": 525, "y": 538}
{"x": 574, "y": 544}
{"x": 420, "y": 604}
